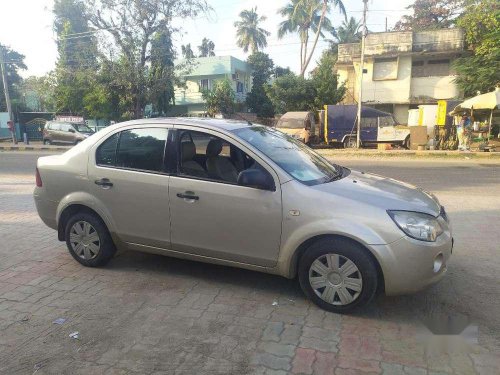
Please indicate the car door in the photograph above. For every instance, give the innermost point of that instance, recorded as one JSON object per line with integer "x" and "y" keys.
{"x": 127, "y": 176}
{"x": 386, "y": 130}
{"x": 218, "y": 218}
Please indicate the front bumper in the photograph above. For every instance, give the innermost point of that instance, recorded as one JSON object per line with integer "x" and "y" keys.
{"x": 410, "y": 265}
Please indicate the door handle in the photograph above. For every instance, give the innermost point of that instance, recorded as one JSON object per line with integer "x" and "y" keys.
{"x": 104, "y": 183}
{"x": 189, "y": 196}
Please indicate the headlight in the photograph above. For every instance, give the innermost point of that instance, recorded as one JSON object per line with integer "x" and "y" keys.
{"x": 417, "y": 225}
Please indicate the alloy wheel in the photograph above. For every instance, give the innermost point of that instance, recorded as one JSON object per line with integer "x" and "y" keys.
{"x": 85, "y": 240}
{"x": 335, "y": 279}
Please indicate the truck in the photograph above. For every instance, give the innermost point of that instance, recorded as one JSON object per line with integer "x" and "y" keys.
{"x": 340, "y": 126}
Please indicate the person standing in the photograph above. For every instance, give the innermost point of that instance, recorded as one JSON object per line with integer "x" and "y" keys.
{"x": 463, "y": 133}
{"x": 12, "y": 130}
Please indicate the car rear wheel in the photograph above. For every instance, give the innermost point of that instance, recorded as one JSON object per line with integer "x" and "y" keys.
{"x": 338, "y": 275}
{"x": 88, "y": 240}
{"x": 47, "y": 142}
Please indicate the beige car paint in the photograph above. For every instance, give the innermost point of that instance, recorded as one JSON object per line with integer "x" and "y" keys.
{"x": 354, "y": 207}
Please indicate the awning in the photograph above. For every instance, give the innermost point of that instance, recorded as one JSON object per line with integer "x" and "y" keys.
{"x": 490, "y": 100}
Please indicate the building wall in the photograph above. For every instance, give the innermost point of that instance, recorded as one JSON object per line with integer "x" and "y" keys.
{"x": 433, "y": 88}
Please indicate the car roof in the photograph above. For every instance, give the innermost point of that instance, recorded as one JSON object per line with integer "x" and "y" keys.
{"x": 202, "y": 122}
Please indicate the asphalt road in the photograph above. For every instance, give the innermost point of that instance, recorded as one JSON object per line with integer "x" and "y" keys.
{"x": 470, "y": 191}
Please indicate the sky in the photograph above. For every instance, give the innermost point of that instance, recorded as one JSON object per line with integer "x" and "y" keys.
{"x": 26, "y": 26}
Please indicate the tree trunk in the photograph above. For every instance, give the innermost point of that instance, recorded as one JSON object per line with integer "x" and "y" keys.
{"x": 323, "y": 13}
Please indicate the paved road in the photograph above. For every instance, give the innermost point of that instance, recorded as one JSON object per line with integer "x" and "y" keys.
{"x": 146, "y": 314}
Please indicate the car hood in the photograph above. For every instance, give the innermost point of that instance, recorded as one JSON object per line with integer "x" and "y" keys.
{"x": 383, "y": 192}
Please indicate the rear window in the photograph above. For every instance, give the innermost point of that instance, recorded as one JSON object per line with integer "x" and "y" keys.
{"x": 140, "y": 149}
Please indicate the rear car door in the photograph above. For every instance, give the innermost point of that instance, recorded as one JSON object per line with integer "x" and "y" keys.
{"x": 213, "y": 216}
{"x": 127, "y": 176}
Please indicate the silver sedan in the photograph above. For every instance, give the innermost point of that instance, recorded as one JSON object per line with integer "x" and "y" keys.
{"x": 246, "y": 196}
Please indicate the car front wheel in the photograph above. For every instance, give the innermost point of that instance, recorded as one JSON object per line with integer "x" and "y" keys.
{"x": 88, "y": 240}
{"x": 338, "y": 275}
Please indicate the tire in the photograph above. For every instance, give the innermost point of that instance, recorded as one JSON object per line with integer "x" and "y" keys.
{"x": 86, "y": 254}
{"x": 47, "y": 142}
{"x": 350, "y": 142}
{"x": 406, "y": 143}
{"x": 342, "y": 251}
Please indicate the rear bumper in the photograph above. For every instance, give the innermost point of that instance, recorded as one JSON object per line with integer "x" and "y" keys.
{"x": 46, "y": 210}
{"x": 410, "y": 265}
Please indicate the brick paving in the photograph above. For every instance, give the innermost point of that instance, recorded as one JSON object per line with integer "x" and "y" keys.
{"x": 147, "y": 314}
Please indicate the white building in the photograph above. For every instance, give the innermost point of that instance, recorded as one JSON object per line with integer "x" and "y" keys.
{"x": 402, "y": 69}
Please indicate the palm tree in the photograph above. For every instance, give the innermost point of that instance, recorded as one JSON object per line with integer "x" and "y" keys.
{"x": 206, "y": 48}
{"x": 187, "y": 52}
{"x": 348, "y": 32}
{"x": 248, "y": 32}
{"x": 304, "y": 16}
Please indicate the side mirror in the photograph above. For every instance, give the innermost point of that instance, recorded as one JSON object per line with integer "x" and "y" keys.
{"x": 71, "y": 130}
{"x": 256, "y": 178}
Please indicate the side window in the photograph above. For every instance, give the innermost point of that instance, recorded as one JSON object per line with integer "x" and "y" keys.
{"x": 106, "y": 153}
{"x": 55, "y": 126}
{"x": 142, "y": 149}
{"x": 207, "y": 156}
{"x": 368, "y": 122}
{"x": 66, "y": 127}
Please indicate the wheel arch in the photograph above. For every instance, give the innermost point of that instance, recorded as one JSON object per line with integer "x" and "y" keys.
{"x": 302, "y": 248}
{"x": 69, "y": 211}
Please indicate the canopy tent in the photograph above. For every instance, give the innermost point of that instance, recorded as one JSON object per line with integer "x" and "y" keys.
{"x": 490, "y": 100}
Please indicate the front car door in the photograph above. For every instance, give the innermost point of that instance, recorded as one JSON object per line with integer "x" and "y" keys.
{"x": 127, "y": 175}
{"x": 211, "y": 215}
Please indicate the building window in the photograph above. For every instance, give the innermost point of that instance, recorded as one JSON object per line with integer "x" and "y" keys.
{"x": 430, "y": 68}
{"x": 239, "y": 86}
{"x": 204, "y": 84}
{"x": 384, "y": 69}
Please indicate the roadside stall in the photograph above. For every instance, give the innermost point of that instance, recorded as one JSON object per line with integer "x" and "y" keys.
{"x": 481, "y": 109}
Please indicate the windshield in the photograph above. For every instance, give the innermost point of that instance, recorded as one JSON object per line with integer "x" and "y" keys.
{"x": 298, "y": 160}
{"x": 82, "y": 128}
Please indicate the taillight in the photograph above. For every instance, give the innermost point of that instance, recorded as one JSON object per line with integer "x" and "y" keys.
{"x": 38, "y": 179}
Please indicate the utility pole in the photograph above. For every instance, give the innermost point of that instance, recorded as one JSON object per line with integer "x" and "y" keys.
{"x": 361, "y": 72}
{"x": 4, "y": 81}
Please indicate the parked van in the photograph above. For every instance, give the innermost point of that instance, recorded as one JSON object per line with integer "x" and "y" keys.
{"x": 65, "y": 132}
{"x": 376, "y": 126}
{"x": 299, "y": 125}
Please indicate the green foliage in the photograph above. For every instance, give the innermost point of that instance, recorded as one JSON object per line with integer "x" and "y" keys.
{"x": 42, "y": 89}
{"x": 206, "y": 48}
{"x": 248, "y": 32}
{"x": 14, "y": 62}
{"x": 430, "y": 14}
{"x": 480, "y": 72}
{"x": 161, "y": 74}
{"x": 291, "y": 93}
{"x": 325, "y": 82}
{"x": 348, "y": 32}
{"x": 262, "y": 70}
{"x": 187, "y": 51}
{"x": 221, "y": 99}
{"x": 306, "y": 17}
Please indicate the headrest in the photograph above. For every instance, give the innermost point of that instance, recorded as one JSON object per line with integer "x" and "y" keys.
{"x": 188, "y": 150}
{"x": 214, "y": 148}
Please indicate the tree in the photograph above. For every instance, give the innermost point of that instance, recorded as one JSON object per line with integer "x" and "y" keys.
{"x": 133, "y": 25}
{"x": 325, "y": 82}
{"x": 78, "y": 55}
{"x": 303, "y": 17}
{"x": 481, "y": 71}
{"x": 161, "y": 73}
{"x": 248, "y": 32}
{"x": 43, "y": 89}
{"x": 206, "y": 48}
{"x": 262, "y": 70}
{"x": 187, "y": 52}
{"x": 291, "y": 93}
{"x": 221, "y": 99}
{"x": 348, "y": 32}
{"x": 280, "y": 71}
{"x": 14, "y": 62}
{"x": 430, "y": 14}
